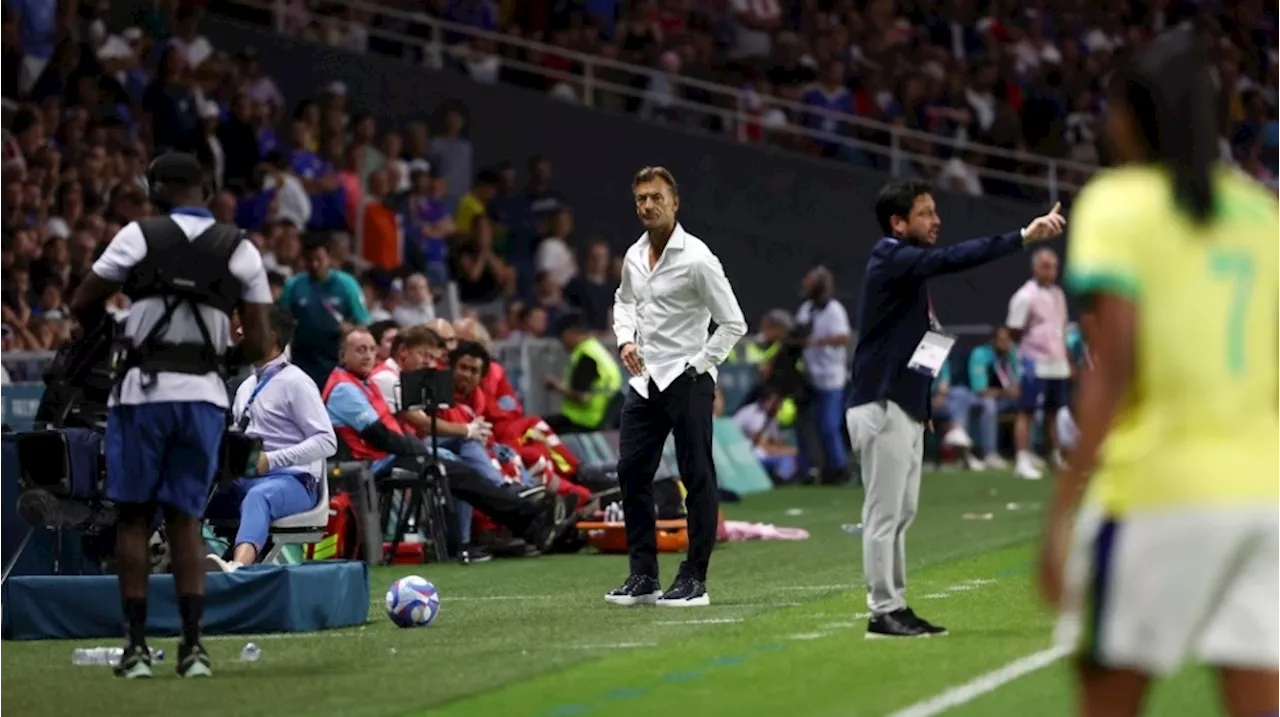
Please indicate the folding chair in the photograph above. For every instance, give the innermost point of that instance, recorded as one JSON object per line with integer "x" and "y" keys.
{"x": 300, "y": 528}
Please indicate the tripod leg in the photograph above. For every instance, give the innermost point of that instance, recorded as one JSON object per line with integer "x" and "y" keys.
{"x": 18, "y": 554}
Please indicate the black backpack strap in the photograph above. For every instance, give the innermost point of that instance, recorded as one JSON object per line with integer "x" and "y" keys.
{"x": 220, "y": 242}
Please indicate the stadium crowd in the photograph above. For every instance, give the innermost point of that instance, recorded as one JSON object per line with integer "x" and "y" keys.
{"x": 1026, "y": 76}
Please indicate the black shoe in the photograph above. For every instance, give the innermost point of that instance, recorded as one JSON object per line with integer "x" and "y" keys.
{"x": 135, "y": 663}
{"x": 637, "y": 590}
{"x": 557, "y": 517}
{"x": 929, "y": 627}
{"x": 899, "y": 623}
{"x": 686, "y": 592}
{"x": 470, "y": 554}
{"x": 193, "y": 661}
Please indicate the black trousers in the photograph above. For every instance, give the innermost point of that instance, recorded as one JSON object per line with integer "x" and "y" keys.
{"x": 685, "y": 408}
{"x": 501, "y": 503}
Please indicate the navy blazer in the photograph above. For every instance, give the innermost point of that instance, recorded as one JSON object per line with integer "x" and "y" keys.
{"x": 893, "y": 314}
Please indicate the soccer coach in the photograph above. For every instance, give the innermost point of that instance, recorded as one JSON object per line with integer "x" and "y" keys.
{"x": 897, "y": 357}
{"x": 672, "y": 288}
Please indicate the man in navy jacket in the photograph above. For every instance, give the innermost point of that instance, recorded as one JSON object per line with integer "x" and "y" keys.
{"x": 891, "y": 401}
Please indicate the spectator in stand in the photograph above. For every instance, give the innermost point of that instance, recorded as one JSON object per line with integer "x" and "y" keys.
{"x": 453, "y": 150}
{"x": 591, "y": 291}
{"x": 319, "y": 179}
{"x": 554, "y": 255}
{"x": 378, "y": 230}
{"x": 428, "y": 226}
{"x": 592, "y": 380}
{"x": 398, "y": 170}
{"x": 830, "y": 96}
{"x": 327, "y": 303}
{"x": 384, "y": 333}
{"x": 292, "y": 203}
{"x": 168, "y": 106}
{"x": 531, "y": 323}
{"x": 754, "y": 22}
{"x": 483, "y": 278}
{"x": 549, "y": 298}
{"x": 36, "y": 22}
{"x": 418, "y": 308}
{"x": 475, "y": 202}
{"x": 239, "y": 144}
{"x": 995, "y": 377}
{"x": 381, "y": 295}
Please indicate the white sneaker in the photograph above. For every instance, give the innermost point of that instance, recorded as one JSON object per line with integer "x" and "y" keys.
{"x": 995, "y": 462}
{"x": 957, "y": 438}
{"x": 972, "y": 463}
{"x": 1037, "y": 461}
{"x": 1025, "y": 468}
{"x": 215, "y": 563}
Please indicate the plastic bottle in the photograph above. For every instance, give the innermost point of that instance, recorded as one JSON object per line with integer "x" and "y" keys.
{"x": 105, "y": 655}
{"x": 250, "y": 653}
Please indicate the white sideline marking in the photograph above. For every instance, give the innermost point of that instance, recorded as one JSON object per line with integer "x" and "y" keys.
{"x": 809, "y": 636}
{"x": 935, "y": 596}
{"x": 817, "y": 588}
{"x": 982, "y": 684}
{"x": 613, "y": 646}
{"x": 712, "y": 621}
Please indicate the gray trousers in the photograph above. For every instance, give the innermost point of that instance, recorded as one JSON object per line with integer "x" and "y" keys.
{"x": 891, "y": 446}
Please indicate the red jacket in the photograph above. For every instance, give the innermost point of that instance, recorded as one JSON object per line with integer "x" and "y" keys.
{"x": 501, "y": 394}
{"x": 360, "y": 449}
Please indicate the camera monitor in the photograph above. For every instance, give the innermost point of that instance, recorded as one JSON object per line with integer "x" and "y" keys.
{"x": 426, "y": 388}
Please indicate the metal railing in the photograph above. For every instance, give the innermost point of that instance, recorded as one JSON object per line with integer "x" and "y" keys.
{"x": 444, "y": 42}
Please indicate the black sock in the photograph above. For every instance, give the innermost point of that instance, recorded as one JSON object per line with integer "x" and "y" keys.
{"x": 191, "y": 608}
{"x": 135, "y": 621}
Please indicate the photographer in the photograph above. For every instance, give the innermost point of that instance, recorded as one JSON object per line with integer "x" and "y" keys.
{"x": 279, "y": 405}
{"x": 826, "y": 371}
{"x": 185, "y": 273}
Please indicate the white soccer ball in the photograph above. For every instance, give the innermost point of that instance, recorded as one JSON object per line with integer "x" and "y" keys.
{"x": 412, "y": 601}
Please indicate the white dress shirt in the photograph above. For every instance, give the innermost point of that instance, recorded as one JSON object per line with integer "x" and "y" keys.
{"x": 667, "y": 310}
{"x": 388, "y": 382}
{"x": 289, "y": 417}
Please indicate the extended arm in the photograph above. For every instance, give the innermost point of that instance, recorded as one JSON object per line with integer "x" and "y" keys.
{"x": 348, "y": 407}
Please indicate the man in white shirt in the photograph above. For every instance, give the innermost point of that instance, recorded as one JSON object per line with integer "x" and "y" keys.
{"x": 418, "y": 308}
{"x": 186, "y": 274}
{"x": 672, "y": 287}
{"x": 826, "y": 370}
{"x": 281, "y": 406}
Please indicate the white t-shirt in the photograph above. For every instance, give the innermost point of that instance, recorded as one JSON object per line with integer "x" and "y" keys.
{"x": 388, "y": 382}
{"x": 194, "y": 51}
{"x": 554, "y": 257}
{"x": 751, "y": 419}
{"x": 827, "y": 367}
{"x": 126, "y": 251}
{"x": 749, "y": 42}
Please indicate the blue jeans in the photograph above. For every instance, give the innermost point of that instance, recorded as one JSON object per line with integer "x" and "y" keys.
{"x": 164, "y": 453}
{"x": 827, "y": 409}
{"x": 474, "y": 455}
{"x": 263, "y": 499}
{"x": 992, "y": 407}
{"x": 955, "y": 407}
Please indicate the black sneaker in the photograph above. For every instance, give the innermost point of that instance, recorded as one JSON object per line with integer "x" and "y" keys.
{"x": 899, "y": 623}
{"x": 557, "y": 517}
{"x": 637, "y": 590}
{"x": 471, "y": 554}
{"x": 135, "y": 663}
{"x": 686, "y": 592}
{"x": 193, "y": 661}
{"x": 929, "y": 627}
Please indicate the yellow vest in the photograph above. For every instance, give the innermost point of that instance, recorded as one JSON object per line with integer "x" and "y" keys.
{"x": 757, "y": 355}
{"x": 608, "y": 381}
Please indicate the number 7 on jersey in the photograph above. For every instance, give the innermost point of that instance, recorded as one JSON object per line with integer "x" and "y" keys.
{"x": 1236, "y": 266}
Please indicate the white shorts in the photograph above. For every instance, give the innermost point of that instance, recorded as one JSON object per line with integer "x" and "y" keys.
{"x": 1147, "y": 591}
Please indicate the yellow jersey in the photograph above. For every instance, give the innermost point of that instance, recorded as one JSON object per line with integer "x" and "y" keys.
{"x": 1199, "y": 426}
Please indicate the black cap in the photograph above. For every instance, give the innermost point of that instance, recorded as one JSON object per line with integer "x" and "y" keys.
{"x": 176, "y": 168}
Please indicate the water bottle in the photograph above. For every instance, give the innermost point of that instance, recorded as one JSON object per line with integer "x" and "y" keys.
{"x": 106, "y": 655}
{"x": 250, "y": 653}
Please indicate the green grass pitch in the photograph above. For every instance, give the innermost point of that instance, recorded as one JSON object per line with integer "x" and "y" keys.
{"x": 783, "y": 636}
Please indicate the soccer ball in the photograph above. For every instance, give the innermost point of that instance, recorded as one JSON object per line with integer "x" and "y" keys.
{"x": 412, "y": 601}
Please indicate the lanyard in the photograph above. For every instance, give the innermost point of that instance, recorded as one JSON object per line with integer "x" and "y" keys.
{"x": 1002, "y": 374}
{"x": 263, "y": 380}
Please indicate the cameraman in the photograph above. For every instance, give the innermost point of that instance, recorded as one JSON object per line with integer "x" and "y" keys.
{"x": 186, "y": 274}
{"x": 826, "y": 369}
